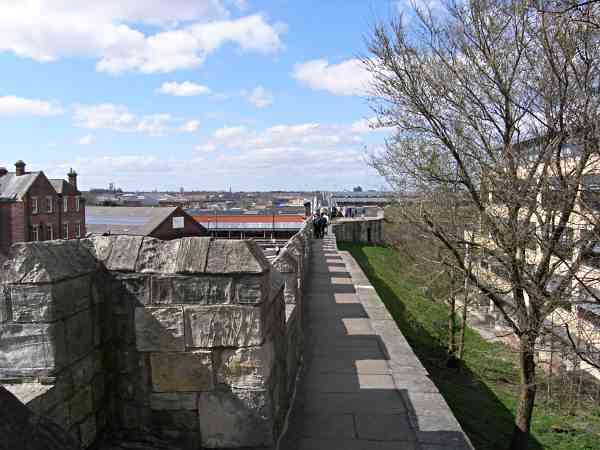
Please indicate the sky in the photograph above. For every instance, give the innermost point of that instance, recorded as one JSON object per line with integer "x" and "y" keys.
{"x": 199, "y": 94}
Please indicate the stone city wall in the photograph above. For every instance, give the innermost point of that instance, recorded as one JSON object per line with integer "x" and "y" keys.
{"x": 363, "y": 230}
{"x": 196, "y": 340}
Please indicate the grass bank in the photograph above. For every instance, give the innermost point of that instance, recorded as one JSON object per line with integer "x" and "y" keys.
{"x": 483, "y": 394}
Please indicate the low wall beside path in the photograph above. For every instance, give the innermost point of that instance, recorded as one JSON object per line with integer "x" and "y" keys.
{"x": 358, "y": 230}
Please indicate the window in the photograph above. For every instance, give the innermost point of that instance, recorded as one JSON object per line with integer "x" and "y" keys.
{"x": 65, "y": 204}
{"x": 65, "y": 231}
{"x": 78, "y": 230}
{"x": 50, "y": 232}
{"x": 49, "y": 204}
{"x": 77, "y": 203}
{"x": 34, "y": 205}
{"x": 35, "y": 233}
{"x": 178, "y": 222}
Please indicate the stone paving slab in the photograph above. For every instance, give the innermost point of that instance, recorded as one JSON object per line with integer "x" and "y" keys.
{"x": 362, "y": 387}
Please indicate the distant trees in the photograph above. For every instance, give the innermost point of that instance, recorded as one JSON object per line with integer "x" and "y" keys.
{"x": 496, "y": 103}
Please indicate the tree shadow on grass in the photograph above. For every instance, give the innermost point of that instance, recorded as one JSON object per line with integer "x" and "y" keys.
{"x": 484, "y": 418}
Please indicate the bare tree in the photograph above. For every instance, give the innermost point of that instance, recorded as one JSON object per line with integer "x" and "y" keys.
{"x": 505, "y": 93}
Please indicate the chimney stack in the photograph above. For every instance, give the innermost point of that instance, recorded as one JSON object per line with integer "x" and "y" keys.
{"x": 19, "y": 168}
{"x": 72, "y": 178}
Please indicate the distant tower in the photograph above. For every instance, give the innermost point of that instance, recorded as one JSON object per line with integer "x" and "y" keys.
{"x": 111, "y": 187}
{"x": 181, "y": 190}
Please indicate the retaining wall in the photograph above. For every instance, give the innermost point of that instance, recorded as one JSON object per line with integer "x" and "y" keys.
{"x": 360, "y": 230}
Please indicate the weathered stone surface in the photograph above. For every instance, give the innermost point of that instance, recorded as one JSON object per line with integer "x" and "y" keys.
{"x": 159, "y": 329}
{"x": 22, "y": 429}
{"x": 79, "y": 335}
{"x": 252, "y": 289}
{"x": 236, "y": 418}
{"x": 236, "y": 257}
{"x": 157, "y": 256}
{"x": 182, "y": 372}
{"x": 192, "y": 254}
{"x": 202, "y": 290}
{"x": 223, "y": 326}
{"x": 286, "y": 262}
{"x": 84, "y": 370}
{"x": 124, "y": 253}
{"x": 174, "y": 401}
{"x": 46, "y": 262}
{"x": 31, "y": 348}
{"x": 130, "y": 290}
{"x": 87, "y": 431}
{"x": 81, "y": 405}
{"x": 175, "y": 420}
{"x": 246, "y": 367}
{"x": 5, "y": 307}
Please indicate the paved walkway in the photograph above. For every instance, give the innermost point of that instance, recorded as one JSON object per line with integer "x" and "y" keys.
{"x": 362, "y": 387}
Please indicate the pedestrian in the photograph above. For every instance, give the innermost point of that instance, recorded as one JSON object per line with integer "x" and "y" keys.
{"x": 325, "y": 223}
{"x": 316, "y": 224}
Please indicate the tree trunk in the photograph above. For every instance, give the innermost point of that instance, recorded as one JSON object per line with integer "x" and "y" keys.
{"x": 526, "y": 402}
{"x": 452, "y": 362}
{"x": 463, "y": 323}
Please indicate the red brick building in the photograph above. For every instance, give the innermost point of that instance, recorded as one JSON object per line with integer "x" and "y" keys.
{"x": 34, "y": 208}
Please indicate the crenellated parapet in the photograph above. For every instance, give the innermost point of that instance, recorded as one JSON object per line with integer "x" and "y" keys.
{"x": 189, "y": 339}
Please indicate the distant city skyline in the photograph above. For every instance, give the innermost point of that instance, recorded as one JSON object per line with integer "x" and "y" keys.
{"x": 259, "y": 95}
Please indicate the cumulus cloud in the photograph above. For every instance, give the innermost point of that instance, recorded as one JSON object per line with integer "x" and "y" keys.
{"x": 346, "y": 78}
{"x": 119, "y": 118}
{"x": 260, "y": 97}
{"x": 184, "y": 33}
{"x": 190, "y": 126}
{"x": 19, "y": 106}
{"x": 206, "y": 147}
{"x": 85, "y": 140}
{"x": 185, "y": 89}
{"x": 226, "y": 133}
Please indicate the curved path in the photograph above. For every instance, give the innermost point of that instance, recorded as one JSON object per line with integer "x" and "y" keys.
{"x": 362, "y": 387}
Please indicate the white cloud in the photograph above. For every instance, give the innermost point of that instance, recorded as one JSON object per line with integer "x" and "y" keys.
{"x": 18, "y": 106}
{"x": 226, "y": 133}
{"x": 190, "y": 126}
{"x": 185, "y": 89}
{"x": 346, "y": 78}
{"x": 188, "y": 31}
{"x": 206, "y": 147}
{"x": 260, "y": 97}
{"x": 85, "y": 140}
{"x": 119, "y": 118}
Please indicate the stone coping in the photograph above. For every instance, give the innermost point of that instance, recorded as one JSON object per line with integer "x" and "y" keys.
{"x": 434, "y": 424}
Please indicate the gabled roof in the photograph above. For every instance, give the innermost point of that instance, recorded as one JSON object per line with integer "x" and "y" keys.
{"x": 13, "y": 187}
{"x": 61, "y": 186}
{"x": 131, "y": 220}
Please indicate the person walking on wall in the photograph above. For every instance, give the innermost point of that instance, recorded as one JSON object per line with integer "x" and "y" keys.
{"x": 316, "y": 220}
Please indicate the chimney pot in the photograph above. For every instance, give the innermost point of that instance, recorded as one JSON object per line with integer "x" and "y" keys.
{"x": 72, "y": 178}
{"x": 19, "y": 168}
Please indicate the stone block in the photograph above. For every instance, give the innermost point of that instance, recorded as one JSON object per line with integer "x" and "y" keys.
{"x": 48, "y": 262}
{"x": 87, "y": 431}
{"x": 181, "y": 372}
{"x": 249, "y": 367}
{"x": 49, "y": 302}
{"x": 5, "y": 307}
{"x": 79, "y": 335}
{"x": 236, "y": 418}
{"x": 252, "y": 290}
{"x": 81, "y": 405}
{"x": 201, "y": 290}
{"x": 159, "y": 329}
{"x": 99, "y": 391}
{"x": 31, "y": 349}
{"x": 124, "y": 253}
{"x": 192, "y": 254}
{"x": 286, "y": 262}
{"x": 175, "y": 420}
{"x": 84, "y": 370}
{"x": 99, "y": 246}
{"x": 129, "y": 291}
{"x": 236, "y": 257}
{"x": 157, "y": 256}
{"x": 60, "y": 415}
{"x": 173, "y": 401}
{"x": 223, "y": 326}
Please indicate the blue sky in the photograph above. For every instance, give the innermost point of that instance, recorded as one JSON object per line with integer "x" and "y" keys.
{"x": 200, "y": 94}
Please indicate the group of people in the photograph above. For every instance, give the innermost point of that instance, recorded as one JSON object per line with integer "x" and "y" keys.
{"x": 320, "y": 221}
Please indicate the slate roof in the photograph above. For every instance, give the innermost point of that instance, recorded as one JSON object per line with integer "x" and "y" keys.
{"x": 14, "y": 187}
{"x": 131, "y": 220}
{"x": 58, "y": 185}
